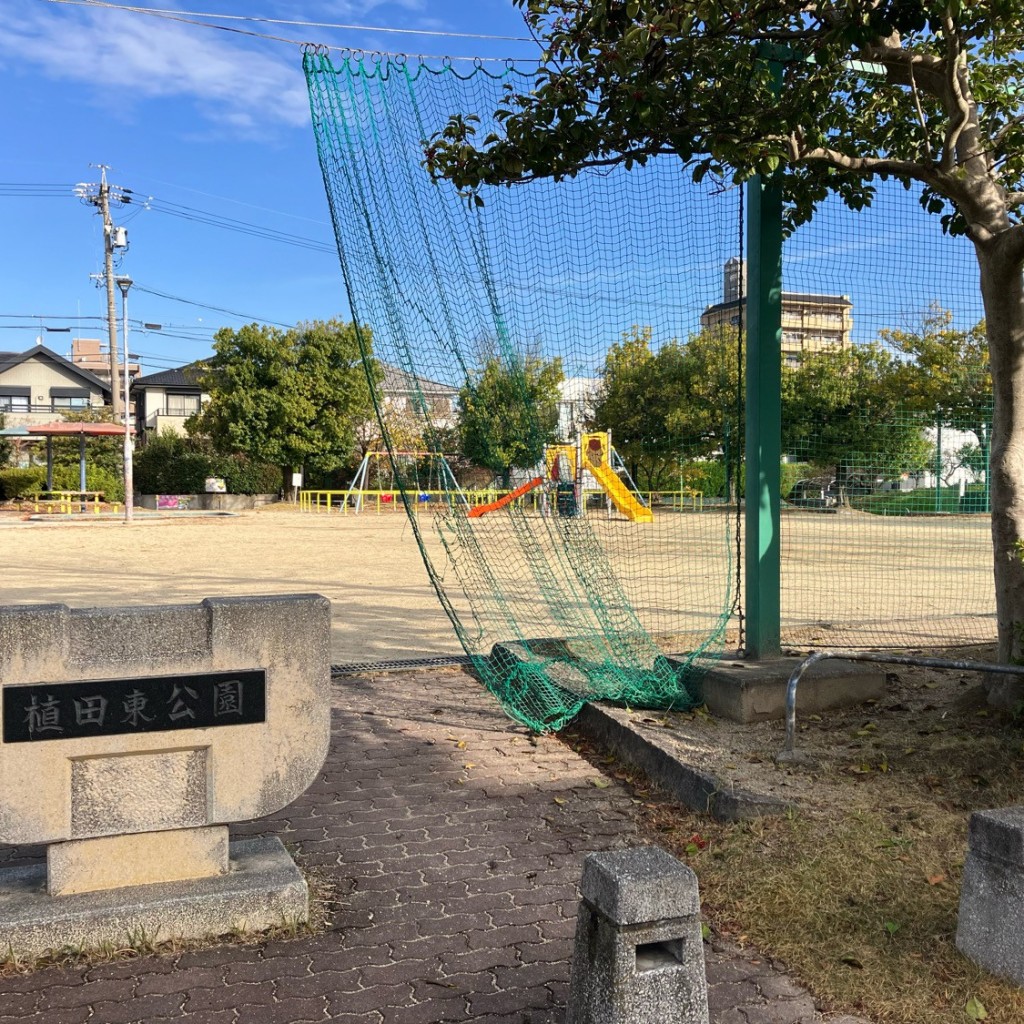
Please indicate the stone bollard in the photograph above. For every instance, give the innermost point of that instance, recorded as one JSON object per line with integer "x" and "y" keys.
{"x": 992, "y": 897}
{"x": 639, "y": 956}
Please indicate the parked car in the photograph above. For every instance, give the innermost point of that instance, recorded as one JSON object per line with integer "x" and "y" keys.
{"x": 814, "y": 492}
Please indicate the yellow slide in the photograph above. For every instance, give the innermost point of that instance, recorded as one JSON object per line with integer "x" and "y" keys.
{"x": 595, "y": 456}
{"x": 625, "y": 500}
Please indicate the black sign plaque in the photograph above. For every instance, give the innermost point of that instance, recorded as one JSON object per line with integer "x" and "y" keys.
{"x": 118, "y": 707}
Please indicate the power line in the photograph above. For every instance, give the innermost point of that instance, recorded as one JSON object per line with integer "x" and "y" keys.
{"x": 257, "y": 19}
{"x": 241, "y": 226}
{"x": 176, "y": 16}
{"x": 127, "y": 197}
{"x": 216, "y": 309}
{"x": 240, "y": 202}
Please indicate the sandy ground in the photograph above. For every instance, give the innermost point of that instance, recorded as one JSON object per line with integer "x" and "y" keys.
{"x": 383, "y": 606}
{"x": 857, "y": 580}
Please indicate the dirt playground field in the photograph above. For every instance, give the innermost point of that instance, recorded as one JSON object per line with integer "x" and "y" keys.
{"x": 855, "y": 580}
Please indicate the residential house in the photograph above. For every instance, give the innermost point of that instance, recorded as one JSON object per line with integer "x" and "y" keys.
{"x": 406, "y": 392}
{"x": 39, "y": 386}
{"x": 165, "y": 400}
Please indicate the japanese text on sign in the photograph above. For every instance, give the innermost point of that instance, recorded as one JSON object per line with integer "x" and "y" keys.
{"x": 113, "y": 707}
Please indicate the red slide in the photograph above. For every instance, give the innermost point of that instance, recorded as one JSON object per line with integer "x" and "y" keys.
{"x": 482, "y": 510}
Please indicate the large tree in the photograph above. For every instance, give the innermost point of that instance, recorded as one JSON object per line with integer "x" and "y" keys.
{"x": 293, "y": 398}
{"x": 508, "y": 412}
{"x": 674, "y": 402}
{"x": 843, "y": 408}
{"x": 946, "y": 374}
{"x": 637, "y": 386}
{"x": 925, "y": 91}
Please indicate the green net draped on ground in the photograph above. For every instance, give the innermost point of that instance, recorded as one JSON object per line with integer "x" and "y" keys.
{"x": 610, "y": 575}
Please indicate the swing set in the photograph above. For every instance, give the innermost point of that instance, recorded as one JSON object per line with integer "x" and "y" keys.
{"x": 386, "y": 497}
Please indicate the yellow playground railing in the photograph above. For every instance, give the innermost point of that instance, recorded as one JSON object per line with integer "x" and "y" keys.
{"x": 67, "y": 502}
{"x": 378, "y": 502}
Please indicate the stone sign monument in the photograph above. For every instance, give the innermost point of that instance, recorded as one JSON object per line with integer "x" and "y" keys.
{"x": 129, "y": 739}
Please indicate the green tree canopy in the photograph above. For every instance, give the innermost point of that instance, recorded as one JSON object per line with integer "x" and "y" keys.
{"x": 678, "y": 401}
{"x": 946, "y": 374}
{"x": 843, "y": 408}
{"x": 291, "y": 398}
{"x": 838, "y": 93}
{"x": 509, "y": 412}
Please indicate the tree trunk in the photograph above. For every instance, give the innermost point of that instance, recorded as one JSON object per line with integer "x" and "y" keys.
{"x": 1002, "y": 287}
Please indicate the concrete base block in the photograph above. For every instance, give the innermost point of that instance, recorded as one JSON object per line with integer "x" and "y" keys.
{"x": 992, "y": 895}
{"x": 143, "y": 858}
{"x": 262, "y": 889}
{"x": 753, "y": 691}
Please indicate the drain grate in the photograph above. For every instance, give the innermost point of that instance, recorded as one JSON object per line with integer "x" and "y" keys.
{"x": 355, "y": 668}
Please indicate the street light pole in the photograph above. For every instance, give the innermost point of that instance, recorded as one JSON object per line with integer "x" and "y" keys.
{"x": 124, "y": 283}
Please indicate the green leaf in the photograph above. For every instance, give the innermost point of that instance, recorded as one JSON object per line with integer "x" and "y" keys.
{"x": 975, "y": 1009}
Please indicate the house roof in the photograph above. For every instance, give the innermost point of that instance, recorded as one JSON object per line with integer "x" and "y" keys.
{"x": 178, "y": 377}
{"x": 791, "y": 297}
{"x": 397, "y": 381}
{"x": 8, "y": 360}
{"x": 394, "y": 381}
{"x": 62, "y": 427}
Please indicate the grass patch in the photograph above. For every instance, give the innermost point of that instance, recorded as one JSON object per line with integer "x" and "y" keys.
{"x": 858, "y": 894}
{"x": 922, "y": 501}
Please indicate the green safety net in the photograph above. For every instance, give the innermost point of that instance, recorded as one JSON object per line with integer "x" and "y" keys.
{"x": 578, "y": 527}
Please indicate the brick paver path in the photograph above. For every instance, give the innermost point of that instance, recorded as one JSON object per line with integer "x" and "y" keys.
{"x": 455, "y": 844}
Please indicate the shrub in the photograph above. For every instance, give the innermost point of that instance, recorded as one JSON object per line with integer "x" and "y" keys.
{"x": 791, "y": 472}
{"x": 172, "y": 464}
{"x": 705, "y": 476}
{"x": 15, "y": 483}
{"x": 243, "y": 476}
{"x": 97, "y": 478}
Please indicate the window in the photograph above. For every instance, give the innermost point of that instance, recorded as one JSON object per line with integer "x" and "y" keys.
{"x": 182, "y": 405}
{"x": 69, "y": 402}
{"x": 13, "y": 403}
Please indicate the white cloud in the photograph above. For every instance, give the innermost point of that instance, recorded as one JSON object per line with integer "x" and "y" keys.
{"x": 244, "y": 86}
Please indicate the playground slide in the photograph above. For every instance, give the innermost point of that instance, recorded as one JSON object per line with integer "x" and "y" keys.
{"x": 482, "y": 510}
{"x": 625, "y": 501}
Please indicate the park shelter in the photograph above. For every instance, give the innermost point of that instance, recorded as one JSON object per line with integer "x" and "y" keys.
{"x": 79, "y": 430}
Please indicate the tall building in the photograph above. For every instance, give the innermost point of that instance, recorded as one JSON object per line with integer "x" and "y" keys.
{"x": 810, "y": 323}
{"x": 92, "y": 355}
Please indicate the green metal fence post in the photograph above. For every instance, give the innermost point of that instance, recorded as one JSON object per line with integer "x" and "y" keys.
{"x": 764, "y": 417}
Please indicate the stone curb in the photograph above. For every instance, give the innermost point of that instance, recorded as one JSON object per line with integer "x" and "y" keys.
{"x": 694, "y": 788}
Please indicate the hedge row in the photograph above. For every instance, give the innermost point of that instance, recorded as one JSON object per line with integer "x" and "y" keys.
{"x": 170, "y": 464}
{"x": 18, "y": 483}
{"x": 709, "y": 477}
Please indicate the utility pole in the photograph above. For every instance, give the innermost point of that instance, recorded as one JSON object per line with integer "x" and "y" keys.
{"x": 113, "y": 239}
{"x": 108, "y": 273}
{"x": 124, "y": 283}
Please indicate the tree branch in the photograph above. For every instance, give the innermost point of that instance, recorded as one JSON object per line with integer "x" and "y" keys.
{"x": 904, "y": 67}
{"x": 960, "y": 112}
{"x": 610, "y": 161}
{"x": 865, "y": 164}
{"x": 1015, "y": 199}
{"x": 998, "y": 137}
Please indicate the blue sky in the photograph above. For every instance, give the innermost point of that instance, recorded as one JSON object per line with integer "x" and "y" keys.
{"x": 213, "y": 121}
